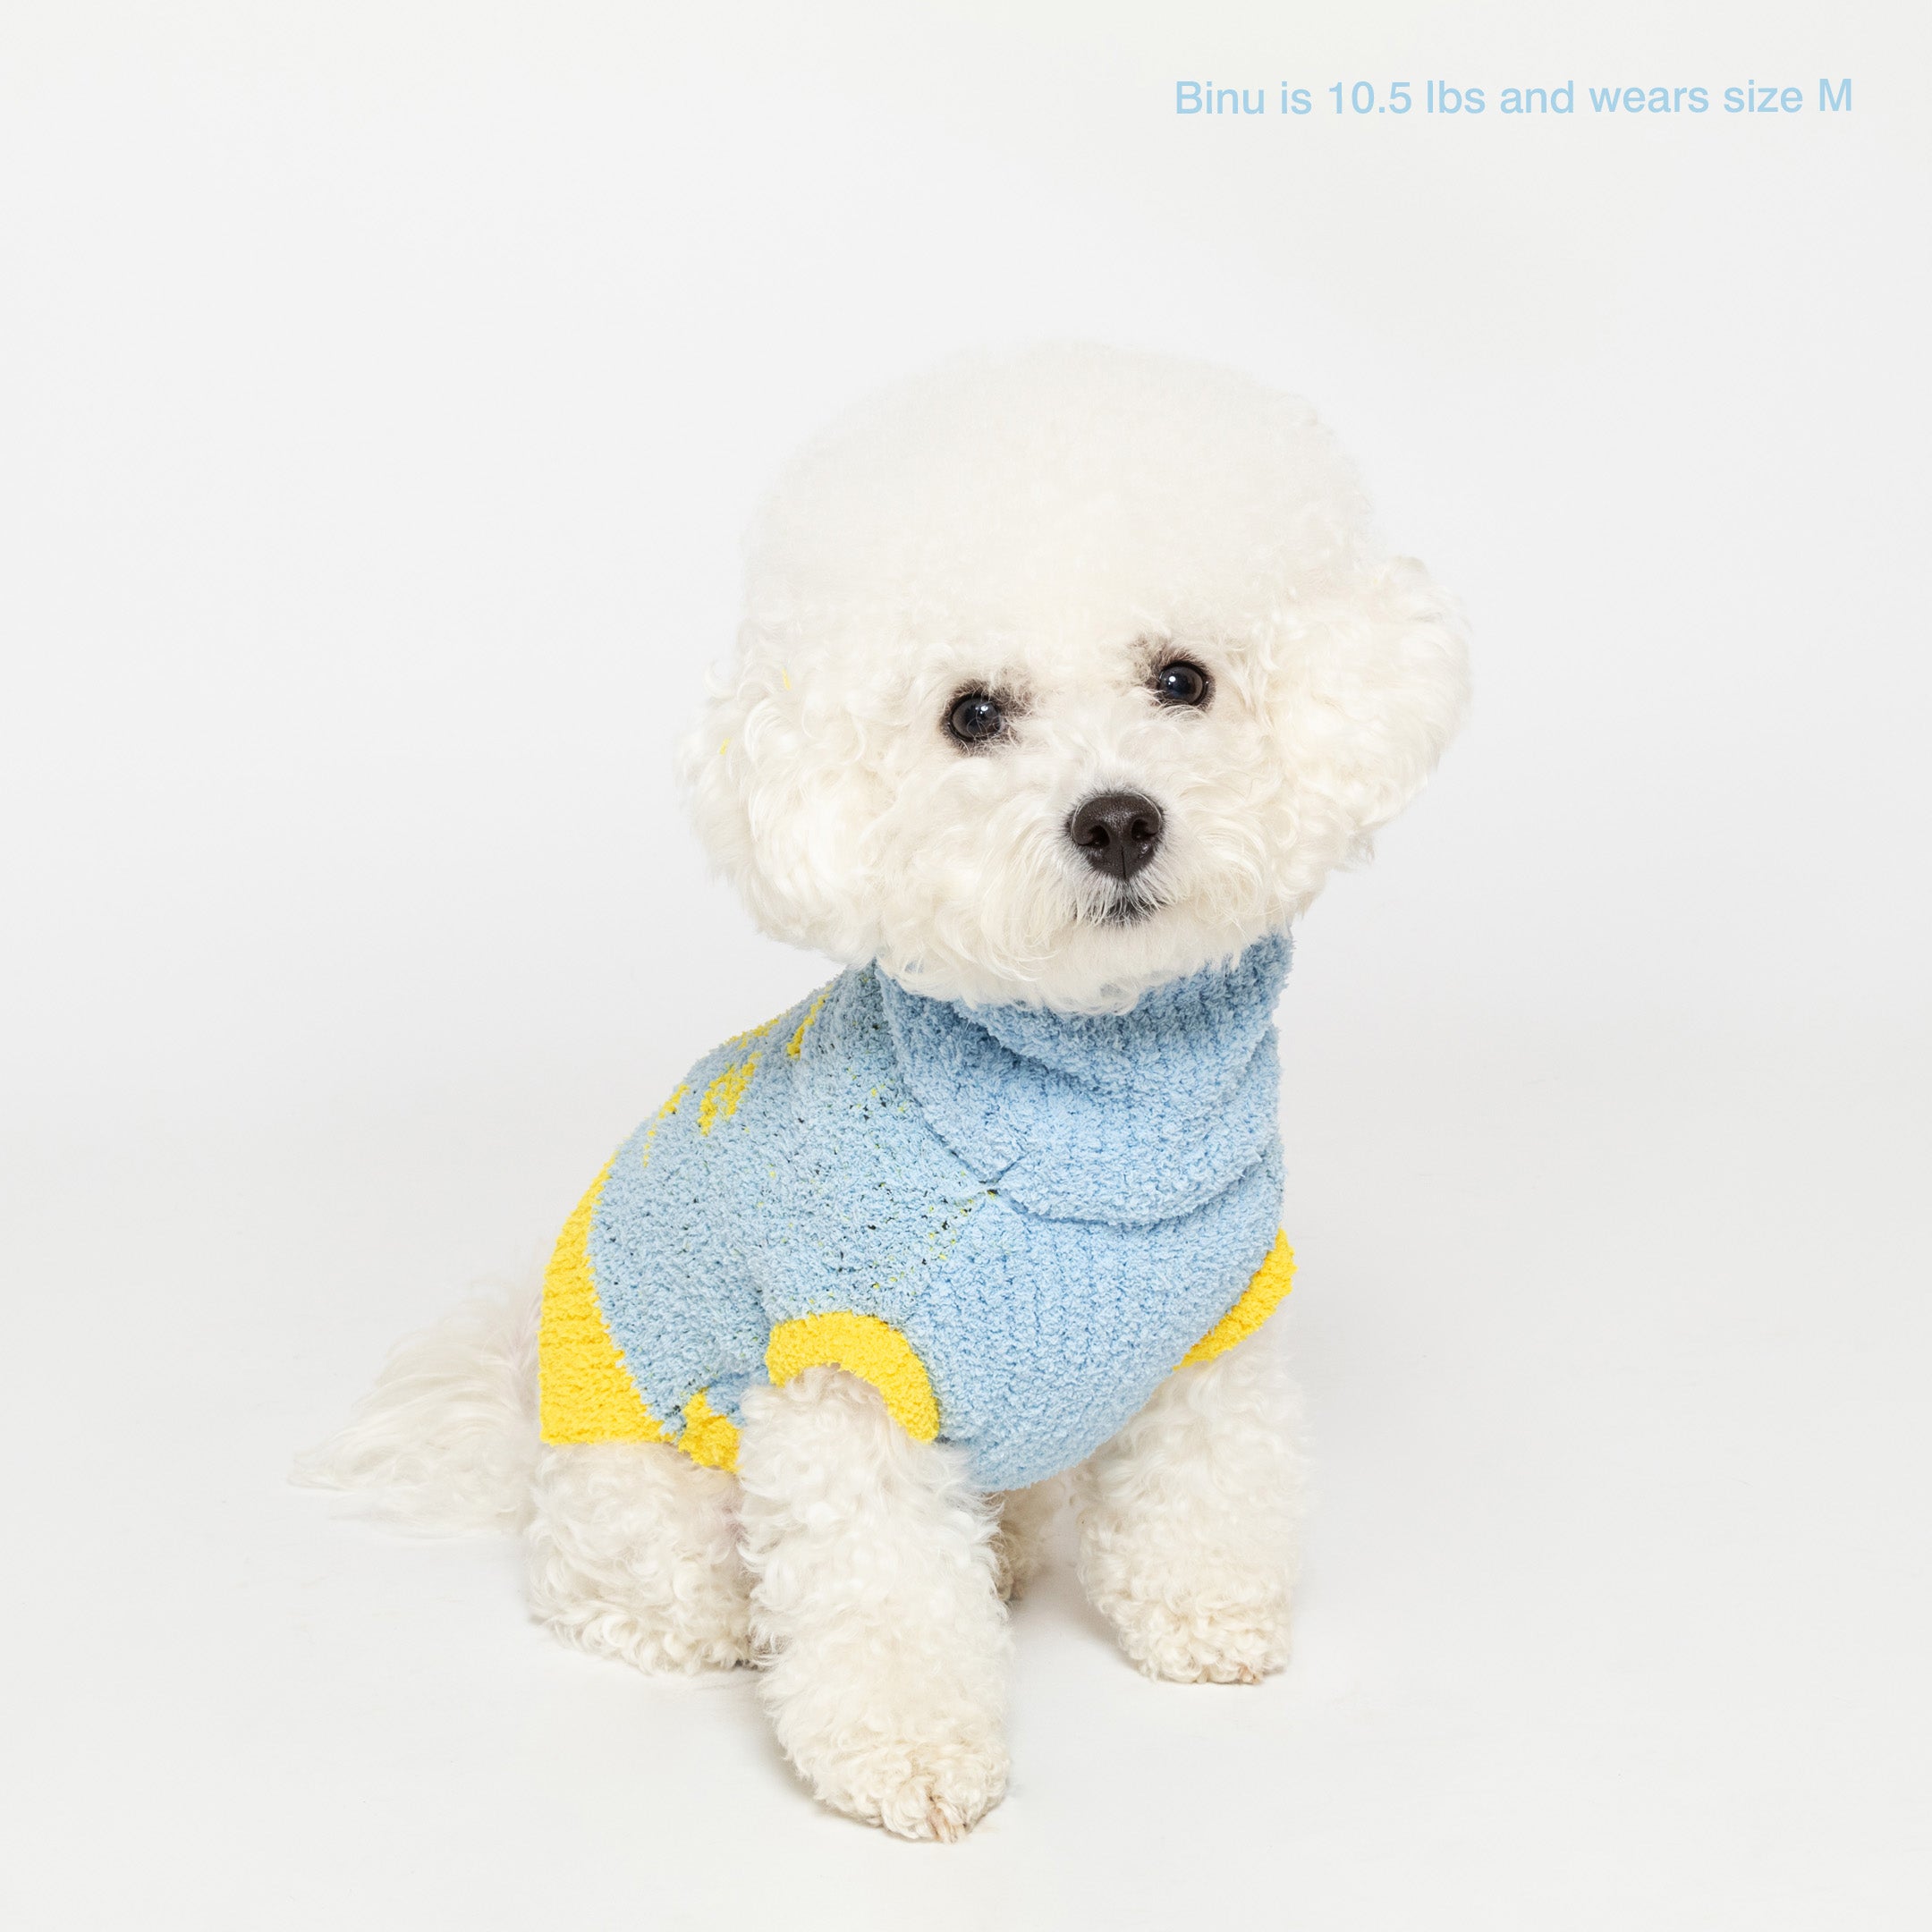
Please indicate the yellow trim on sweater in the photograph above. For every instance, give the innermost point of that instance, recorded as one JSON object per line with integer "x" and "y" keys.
{"x": 709, "y": 1439}
{"x": 864, "y": 1346}
{"x": 584, "y": 1392}
{"x": 1259, "y": 1300}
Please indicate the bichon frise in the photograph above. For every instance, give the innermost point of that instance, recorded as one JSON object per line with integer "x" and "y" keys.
{"x": 1065, "y": 678}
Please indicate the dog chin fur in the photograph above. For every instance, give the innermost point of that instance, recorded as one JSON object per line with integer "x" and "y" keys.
{"x": 1048, "y": 526}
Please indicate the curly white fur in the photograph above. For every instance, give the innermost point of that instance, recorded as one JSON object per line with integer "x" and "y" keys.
{"x": 1188, "y": 1521}
{"x": 633, "y": 1555}
{"x": 1022, "y": 1536}
{"x": 1050, "y": 527}
{"x": 876, "y": 1607}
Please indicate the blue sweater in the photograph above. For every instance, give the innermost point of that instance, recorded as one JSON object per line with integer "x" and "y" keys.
{"x": 1014, "y": 1222}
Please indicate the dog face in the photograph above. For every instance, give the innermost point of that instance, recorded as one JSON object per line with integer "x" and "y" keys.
{"x": 1062, "y": 674}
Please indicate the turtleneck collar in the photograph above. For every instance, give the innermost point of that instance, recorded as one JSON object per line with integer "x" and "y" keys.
{"x": 1133, "y": 1118}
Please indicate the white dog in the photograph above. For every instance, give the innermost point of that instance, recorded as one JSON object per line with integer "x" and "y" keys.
{"x": 1066, "y": 678}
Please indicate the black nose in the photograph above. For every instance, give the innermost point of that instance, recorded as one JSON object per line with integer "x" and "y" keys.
{"x": 1118, "y": 833}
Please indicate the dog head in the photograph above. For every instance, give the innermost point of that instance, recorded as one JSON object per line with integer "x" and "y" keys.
{"x": 1064, "y": 674}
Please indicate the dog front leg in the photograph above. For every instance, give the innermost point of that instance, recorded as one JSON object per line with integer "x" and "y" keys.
{"x": 874, "y": 1607}
{"x": 1188, "y": 1519}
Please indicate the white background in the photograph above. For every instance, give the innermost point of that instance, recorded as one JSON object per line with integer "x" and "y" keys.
{"x": 385, "y": 390}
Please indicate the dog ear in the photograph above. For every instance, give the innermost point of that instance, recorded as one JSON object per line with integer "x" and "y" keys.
{"x": 1381, "y": 686}
{"x": 782, "y": 790}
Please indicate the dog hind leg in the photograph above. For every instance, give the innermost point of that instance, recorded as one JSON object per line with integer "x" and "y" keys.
{"x": 1023, "y": 1539}
{"x": 633, "y": 1553}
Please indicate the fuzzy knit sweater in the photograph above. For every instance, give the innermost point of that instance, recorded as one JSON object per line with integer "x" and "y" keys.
{"x": 1014, "y": 1223}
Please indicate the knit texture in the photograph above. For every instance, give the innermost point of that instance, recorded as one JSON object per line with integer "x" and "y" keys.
{"x": 1014, "y": 1223}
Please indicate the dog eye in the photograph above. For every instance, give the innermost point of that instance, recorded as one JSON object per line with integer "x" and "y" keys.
{"x": 976, "y": 719}
{"x": 1181, "y": 683}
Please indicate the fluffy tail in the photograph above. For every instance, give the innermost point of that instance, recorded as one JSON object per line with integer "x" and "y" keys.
{"x": 447, "y": 1440}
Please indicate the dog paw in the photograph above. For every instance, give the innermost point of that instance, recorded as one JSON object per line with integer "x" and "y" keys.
{"x": 1201, "y": 1643}
{"x": 937, "y": 1790}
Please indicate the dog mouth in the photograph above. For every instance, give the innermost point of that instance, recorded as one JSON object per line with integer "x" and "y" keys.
{"x": 1128, "y": 908}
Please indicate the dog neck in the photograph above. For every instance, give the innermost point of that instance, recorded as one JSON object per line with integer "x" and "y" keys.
{"x": 1133, "y": 1118}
